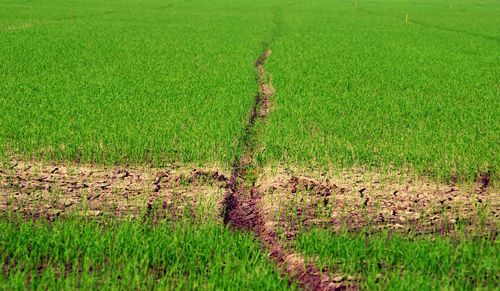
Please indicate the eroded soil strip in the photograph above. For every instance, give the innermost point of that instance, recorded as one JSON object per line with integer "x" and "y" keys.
{"x": 352, "y": 201}
{"x": 242, "y": 201}
{"x": 48, "y": 191}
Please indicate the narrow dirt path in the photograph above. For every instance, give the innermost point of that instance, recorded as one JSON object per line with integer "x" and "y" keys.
{"x": 242, "y": 200}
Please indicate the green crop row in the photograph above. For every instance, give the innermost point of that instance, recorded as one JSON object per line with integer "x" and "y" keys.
{"x": 391, "y": 261}
{"x": 76, "y": 254}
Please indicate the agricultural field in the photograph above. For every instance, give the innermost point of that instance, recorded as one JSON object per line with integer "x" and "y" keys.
{"x": 364, "y": 88}
{"x": 256, "y": 145}
{"x": 151, "y": 87}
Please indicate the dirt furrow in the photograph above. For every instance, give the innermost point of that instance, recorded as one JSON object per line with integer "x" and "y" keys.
{"x": 242, "y": 201}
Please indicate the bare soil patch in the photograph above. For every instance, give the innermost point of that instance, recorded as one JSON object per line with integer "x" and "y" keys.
{"x": 355, "y": 199}
{"x": 279, "y": 205}
{"x": 14, "y": 27}
{"x": 48, "y": 191}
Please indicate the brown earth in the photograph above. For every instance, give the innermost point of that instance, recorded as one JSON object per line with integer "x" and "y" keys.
{"x": 288, "y": 200}
{"x": 360, "y": 199}
{"x": 48, "y": 191}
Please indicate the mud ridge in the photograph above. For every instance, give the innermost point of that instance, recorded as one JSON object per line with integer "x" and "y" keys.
{"x": 242, "y": 201}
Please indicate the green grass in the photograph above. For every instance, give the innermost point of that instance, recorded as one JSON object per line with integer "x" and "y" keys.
{"x": 159, "y": 81}
{"x": 71, "y": 254}
{"x": 127, "y": 82}
{"x": 407, "y": 262}
{"x": 356, "y": 86}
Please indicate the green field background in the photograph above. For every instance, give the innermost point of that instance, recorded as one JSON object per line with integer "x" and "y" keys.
{"x": 162, "y": 81}
{"x": 357, "y": 86}
{"x": 137, "y": 81}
